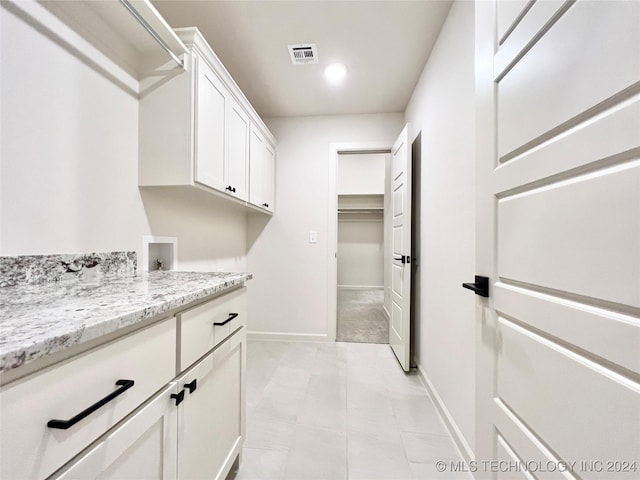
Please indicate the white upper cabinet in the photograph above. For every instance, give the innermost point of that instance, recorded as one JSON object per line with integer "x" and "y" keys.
{"x": 196, "y": 129}
{"x": 210, "y": 127}
{"x": 238, "y": 131}
{"x": 262, "y": 167}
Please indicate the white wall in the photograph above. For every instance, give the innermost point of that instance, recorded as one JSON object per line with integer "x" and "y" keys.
{"x": 442, "y": 107}
{"x": 360, "y": 251}
{"x": 289, "y": 291}
{"x": 361, "y": 173}
{"x": 69, "y": 146}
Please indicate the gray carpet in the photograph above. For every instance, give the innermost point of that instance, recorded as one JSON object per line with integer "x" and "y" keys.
{"x": 361, "y": 318}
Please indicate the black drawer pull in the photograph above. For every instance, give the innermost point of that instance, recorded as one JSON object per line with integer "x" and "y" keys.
{"x": 231, "y": 317}
{"x": 192, "y": 385}
{"x": 266, "y": 205}
{"x": 231, "y": 189}
{"x": 64, "y": 424}
{"x": 178, "y": 396}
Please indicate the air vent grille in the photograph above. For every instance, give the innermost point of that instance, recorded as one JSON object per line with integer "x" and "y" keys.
{"x": 303, "y": 54}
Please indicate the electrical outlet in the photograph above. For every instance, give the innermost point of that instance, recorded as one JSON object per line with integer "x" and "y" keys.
{"x": 313, "y": 236}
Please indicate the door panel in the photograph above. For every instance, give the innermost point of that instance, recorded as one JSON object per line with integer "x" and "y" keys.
{"x": 210, "y": 419}
{"x": 558, "y": 195}
{"x": 563, "y": 75}
{"x": 509, "y": 13}
{"x": 542, "y": 381}
{"x": 142, "y": 447}
{"x": 547, "y": 237}
{"x": 399, "y": 331}
{"x": 238, "y": 153}
{"x": 210, "y": 128}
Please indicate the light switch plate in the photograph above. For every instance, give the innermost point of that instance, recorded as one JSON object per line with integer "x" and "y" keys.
{"x": 313, "y": 236}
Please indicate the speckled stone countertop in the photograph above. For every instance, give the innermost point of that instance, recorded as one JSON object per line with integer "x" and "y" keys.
{"x": 38, "y": 320}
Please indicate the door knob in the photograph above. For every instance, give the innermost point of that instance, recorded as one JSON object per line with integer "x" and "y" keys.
{"x": 480, "y": 286}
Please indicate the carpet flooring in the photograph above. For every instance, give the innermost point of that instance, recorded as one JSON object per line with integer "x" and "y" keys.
{"x": 361, "y": 318}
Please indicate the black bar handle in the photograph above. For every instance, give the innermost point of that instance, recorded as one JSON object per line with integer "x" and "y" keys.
{"x": 191, "y": 385}
{"x": 231, "y": 189}
{"x": 64, "y": 424}
{"x": 402, "y": 259}
{"x": 480, "y": 286}
{"x": 178, "y": 396}
{"x": 231, "y": 317}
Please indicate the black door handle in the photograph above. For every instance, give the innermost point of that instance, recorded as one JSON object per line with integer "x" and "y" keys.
{"x": 266, "y": 205}
{"x": 231, "y": 317}
{"x": 231, "y": 189}
{"x": 403, "y": 259}
{"x": 480, "y": 287}
{"x": 178, "y": 396}
{"x": 64, "y": 424}
{"x": 192, "y": 385}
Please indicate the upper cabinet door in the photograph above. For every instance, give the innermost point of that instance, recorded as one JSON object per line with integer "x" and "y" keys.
{"x": 237, "y": 168}
{"x": 211, "y": 112}
{"x": 256, "y": 164}
{"x": 269, "y": 177}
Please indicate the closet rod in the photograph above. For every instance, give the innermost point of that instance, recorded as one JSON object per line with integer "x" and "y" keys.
{"x": 152, "y": 32}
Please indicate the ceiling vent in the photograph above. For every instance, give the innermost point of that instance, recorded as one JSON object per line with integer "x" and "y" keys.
{"x": 303, "y": 54}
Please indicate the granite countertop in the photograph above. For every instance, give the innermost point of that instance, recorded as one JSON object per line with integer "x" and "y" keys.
{"x": 38, "y": 320}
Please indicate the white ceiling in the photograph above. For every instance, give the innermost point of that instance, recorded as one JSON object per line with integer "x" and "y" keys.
{"x": 384, "y": 44}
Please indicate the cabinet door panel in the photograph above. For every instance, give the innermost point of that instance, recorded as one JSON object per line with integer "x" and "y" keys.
{"x": 211, "y": 114}
{"x": 142, "y": 447}
{"x": 268, "y": 177}
{"x": 210, "y": 418}
{"x": 239, "y": 130}
{"x": 256, "y": 186}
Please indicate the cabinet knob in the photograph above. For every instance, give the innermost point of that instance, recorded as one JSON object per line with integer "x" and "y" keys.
{"x": 191, "y": 385}
{"x": 178, "y": 396}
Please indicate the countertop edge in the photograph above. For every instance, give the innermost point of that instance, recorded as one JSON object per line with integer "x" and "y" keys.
{"x": 13, "y": 360}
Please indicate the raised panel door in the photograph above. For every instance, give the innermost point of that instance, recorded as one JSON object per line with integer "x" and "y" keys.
{"x": 237, "y": 166}
{"x": 211, "y": 114}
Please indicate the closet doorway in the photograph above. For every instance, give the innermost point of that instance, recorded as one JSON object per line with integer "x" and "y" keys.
{"x": 361, "y": 248}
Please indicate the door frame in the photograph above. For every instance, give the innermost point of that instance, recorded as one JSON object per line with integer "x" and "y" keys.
{"x": 335, "y": 149}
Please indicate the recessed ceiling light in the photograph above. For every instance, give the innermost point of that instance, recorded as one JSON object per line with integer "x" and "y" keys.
{"x": 335, "y": 73}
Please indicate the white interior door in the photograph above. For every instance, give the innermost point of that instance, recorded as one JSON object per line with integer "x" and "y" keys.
{"x": 399, "y": 327}
{"x": 558, "y": 144}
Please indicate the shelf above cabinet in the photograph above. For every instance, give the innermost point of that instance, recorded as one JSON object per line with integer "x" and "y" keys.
{"x": 128, "y": 33}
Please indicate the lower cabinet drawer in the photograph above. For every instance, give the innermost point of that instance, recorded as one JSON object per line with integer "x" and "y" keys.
{"x": 203, "y": 327}
{"x": 33, "y": 449}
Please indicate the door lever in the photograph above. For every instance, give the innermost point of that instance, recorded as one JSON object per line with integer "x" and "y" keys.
{"x": 480, "y": 286}
{"x": 402, "y": 259}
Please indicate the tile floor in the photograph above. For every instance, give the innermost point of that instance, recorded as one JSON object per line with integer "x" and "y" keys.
{"x": 338, "y": 411}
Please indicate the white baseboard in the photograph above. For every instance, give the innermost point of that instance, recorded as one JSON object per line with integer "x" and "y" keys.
{"x": 361, "y": 287}
{"x": 454, "y": 430}
{"x": 288, "y": 337}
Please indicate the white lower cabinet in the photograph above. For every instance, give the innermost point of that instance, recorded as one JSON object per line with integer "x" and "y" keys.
{"x": 150, "y": 423}
{"x": 192, "y": 429}
{"x": 210, "y": 419}
{"x": 143, "y": 447}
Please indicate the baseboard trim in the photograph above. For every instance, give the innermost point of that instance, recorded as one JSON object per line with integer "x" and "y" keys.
{"x": 361, "y": 287}
{"x": 288, "y": 337}
{"x": 454, "y": 430}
